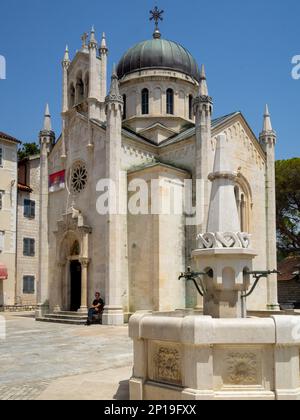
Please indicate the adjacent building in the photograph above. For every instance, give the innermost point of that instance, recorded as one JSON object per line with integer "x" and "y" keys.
{"x": 8, "y": 218}
{"x": 289, "y": 283}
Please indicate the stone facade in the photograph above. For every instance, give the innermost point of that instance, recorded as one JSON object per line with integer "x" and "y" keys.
{"x": 136, "y": 264}
{"x": 8, "y": 212}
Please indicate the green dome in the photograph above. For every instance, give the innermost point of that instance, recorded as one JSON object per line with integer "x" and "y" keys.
{"x": 158, "y": 54}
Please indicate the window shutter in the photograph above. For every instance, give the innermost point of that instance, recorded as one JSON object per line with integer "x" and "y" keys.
{"x": 25, "y": 247}
{"x": 28, "y": 285}
{"x": 32, "y": 247}
{"x": 29, "y": 209}
{"x": 29, "y": 247}
{"x": 32, "y": 209}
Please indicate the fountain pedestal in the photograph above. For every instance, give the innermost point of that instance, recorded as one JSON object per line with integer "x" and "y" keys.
{"x": 227, "y": 282}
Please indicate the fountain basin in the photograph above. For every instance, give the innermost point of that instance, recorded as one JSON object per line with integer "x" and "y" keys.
{"x": 186, "y": 356}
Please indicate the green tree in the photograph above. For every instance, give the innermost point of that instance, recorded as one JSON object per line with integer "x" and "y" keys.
{"x": 27, "y": 150}
{"x": 288, "y": 206}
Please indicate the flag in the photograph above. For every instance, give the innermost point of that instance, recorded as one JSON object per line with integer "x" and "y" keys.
{"x": 57, "y": 181}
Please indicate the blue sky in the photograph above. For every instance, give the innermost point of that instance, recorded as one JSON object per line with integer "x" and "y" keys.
{"x": 247, "y": 47}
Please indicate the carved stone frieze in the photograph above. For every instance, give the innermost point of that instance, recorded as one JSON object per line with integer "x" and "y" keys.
{"x": 224, "y": 240}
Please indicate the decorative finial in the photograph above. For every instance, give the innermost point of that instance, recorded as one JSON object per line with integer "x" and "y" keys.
{"x": 67, "y": 56}
{"x": 156, "y": 15}
{"x": 103, "y": 46}
{"x": 93, "y": 41}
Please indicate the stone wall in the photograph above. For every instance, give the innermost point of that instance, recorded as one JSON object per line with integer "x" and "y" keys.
{"x": 28, "y": 228}
{"x": 158, "y": 82}
{"x": 138, "y": 246}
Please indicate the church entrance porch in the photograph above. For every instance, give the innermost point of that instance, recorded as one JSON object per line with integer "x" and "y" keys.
{"x": 75, "y": 292}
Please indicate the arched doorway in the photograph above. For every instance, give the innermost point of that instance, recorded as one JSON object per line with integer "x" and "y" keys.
{"x": 75, "y": 285}
{"x": 71, "y": 293}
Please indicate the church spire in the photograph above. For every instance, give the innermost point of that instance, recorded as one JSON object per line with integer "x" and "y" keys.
{"x": 103, "y": 52}
{"x": 267, "y": 126}
{"x": 114, "y": 93}
{"x": 67, "y": 55}
{"x": 103, "y": 46}
{"x": 47, "y": 119}
{"x": 203, "y": 89}
{"x": 268, "y": 134}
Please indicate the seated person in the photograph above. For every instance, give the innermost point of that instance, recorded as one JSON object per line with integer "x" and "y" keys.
{"x": 97, "y": 308}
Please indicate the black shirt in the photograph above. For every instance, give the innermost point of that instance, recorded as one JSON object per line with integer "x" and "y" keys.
{"x": 98, "y": 302}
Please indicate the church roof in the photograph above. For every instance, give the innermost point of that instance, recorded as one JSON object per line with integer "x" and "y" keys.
{"x": 192, "y": 131}
{"x": 186, "y": 134}
{"x": 158, "y": 54}
{"x": 288, "y": 268}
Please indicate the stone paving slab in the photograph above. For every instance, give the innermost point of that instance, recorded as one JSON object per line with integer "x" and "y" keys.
{"x": 37, "y": 356}
{"x": 111, "y": 384}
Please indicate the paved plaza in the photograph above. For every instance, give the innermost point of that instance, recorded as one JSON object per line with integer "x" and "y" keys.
{"x": 59, "y": 362}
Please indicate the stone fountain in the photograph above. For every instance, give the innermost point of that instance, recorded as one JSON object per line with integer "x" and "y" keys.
{"x": 221, "y": 355}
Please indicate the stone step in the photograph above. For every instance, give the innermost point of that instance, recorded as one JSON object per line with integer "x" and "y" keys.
{"x": 70, "y": 313}
{"x": 62, "y": 321}
{"x": 67, "y": 317}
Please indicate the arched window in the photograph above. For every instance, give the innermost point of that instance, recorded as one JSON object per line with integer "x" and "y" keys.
{"x": 191, "y": 107}
{"x": 72, "y": 96}
{"x": 170, "y": 102}
{"x": 124, "y": 107}
{"x": 79, "y": 90}
{"x": 145, "y": 101}
{"x": 87, "y": 86}
{"x": 243, "y": 203}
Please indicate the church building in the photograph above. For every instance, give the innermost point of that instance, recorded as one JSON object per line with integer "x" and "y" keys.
{"x": 156, "y": 123}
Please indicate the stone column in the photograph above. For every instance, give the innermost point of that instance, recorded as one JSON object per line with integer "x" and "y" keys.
{"x": 62, "y": 265}
{"x": 203, "y": 108}
{"x": 84, "y": 285}
{"x": 113, "y": 313}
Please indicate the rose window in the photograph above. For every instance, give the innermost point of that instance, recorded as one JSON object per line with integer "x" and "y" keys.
{"x": 79, "y": 177}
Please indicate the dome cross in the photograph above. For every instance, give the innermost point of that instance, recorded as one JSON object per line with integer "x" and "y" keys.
{"x": 156, "y": 15}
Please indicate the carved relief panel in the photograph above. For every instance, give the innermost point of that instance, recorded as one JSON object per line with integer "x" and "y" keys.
{"x": 243, "y": 367}
{"x": 165, "y": 363}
